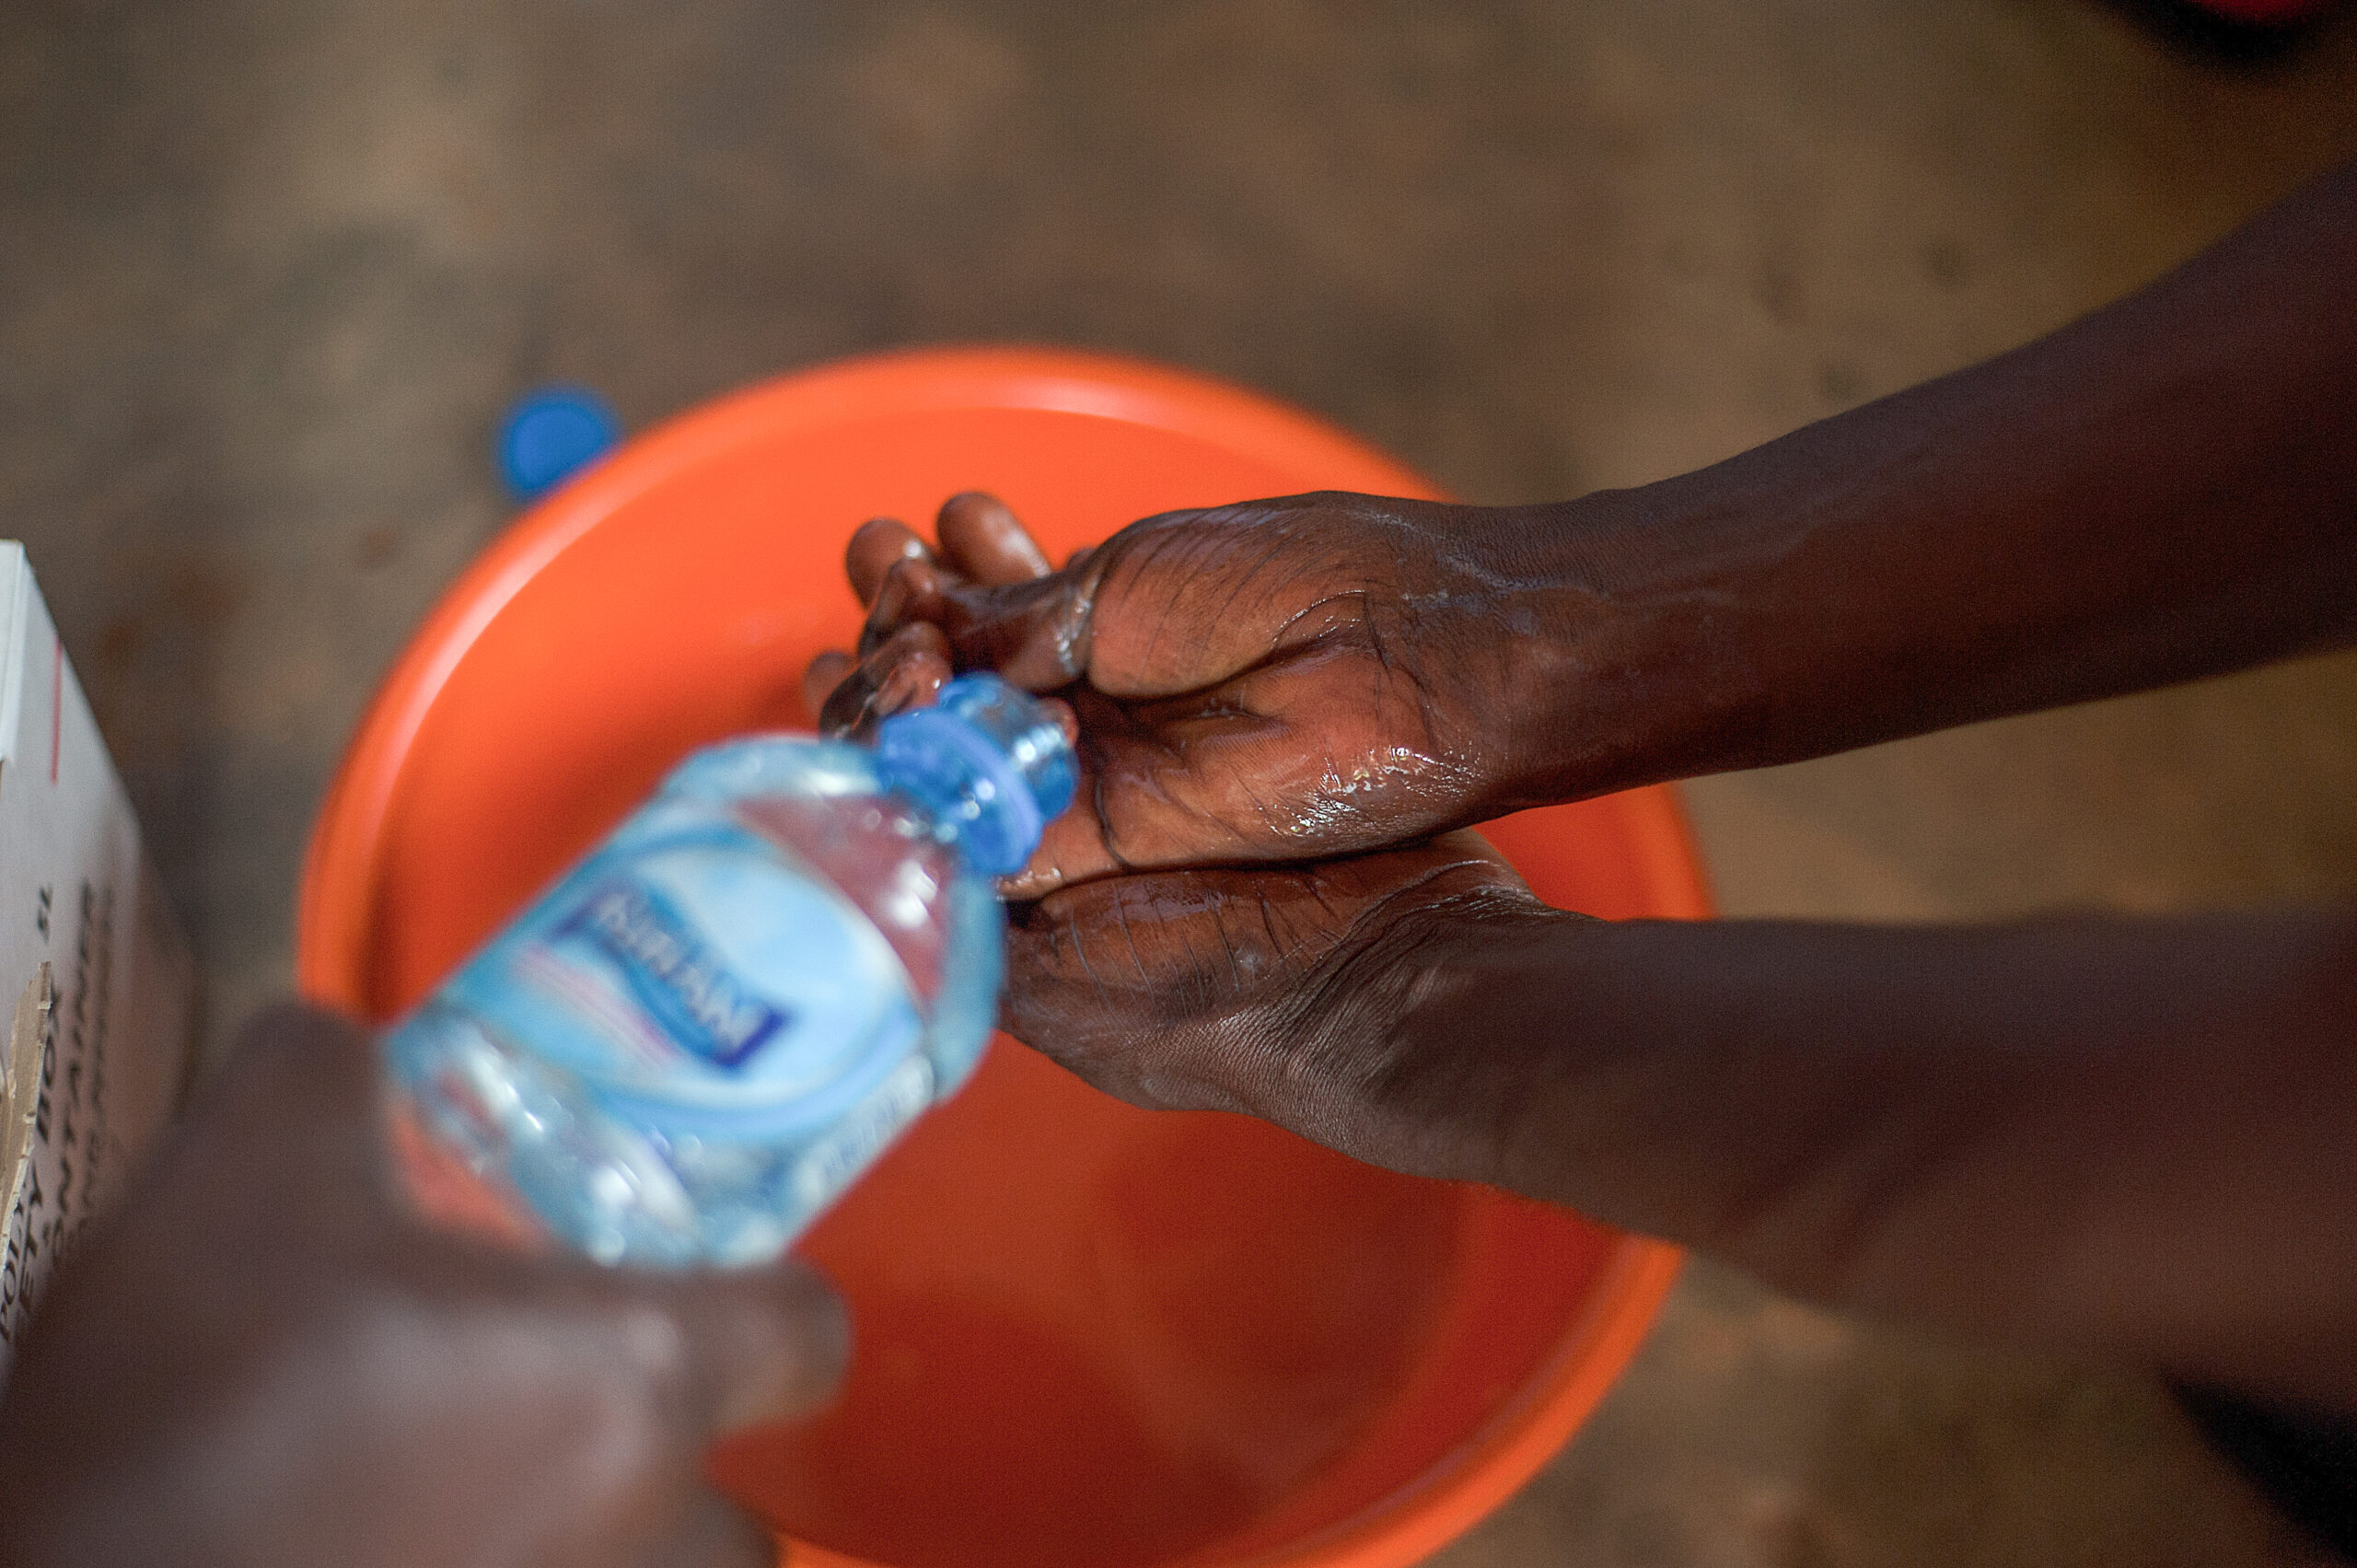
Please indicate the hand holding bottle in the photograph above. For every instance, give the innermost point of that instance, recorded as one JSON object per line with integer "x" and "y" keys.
{"x": 262, "y": 1357}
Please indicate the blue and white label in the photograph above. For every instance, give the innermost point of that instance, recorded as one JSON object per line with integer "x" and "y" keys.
{"x": 682, "y": 979}
{"x": 704, "y": 981}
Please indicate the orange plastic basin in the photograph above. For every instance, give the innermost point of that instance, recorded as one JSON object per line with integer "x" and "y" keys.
{"x": 1087, "y": 1336}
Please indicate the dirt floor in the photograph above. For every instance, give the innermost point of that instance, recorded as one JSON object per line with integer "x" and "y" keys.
{"x": 269, "y": 268}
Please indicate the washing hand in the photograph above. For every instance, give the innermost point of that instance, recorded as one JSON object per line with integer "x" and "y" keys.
{"x": 1279, "y": 680}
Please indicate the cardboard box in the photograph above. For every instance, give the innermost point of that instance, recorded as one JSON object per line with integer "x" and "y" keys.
{"x": 93, "y": 973}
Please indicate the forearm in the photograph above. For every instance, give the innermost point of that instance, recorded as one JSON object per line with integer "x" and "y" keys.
{"x": 2133, "y": 1136}
{"x": 2164, "y": 490}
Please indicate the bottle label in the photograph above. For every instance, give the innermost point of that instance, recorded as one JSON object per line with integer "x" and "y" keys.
{"x": 681, "y": 979}
{"x": 702, "y": 979}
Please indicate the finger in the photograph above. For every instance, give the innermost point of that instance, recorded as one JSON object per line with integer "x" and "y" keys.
{"x": 1171, "y": 988}
{"x": 983, "y": 539}
{"x": 714, "y": 1533}
{"x": 906, "y": 670}
{"x": 914, "y": 677}
{"x": 1040, "y": 633}
{"x": 294, "y": 1047}
{"x": 1067, "y": 721}
{"x": 1072, "y": 849}
{"x": 1184, "y": 600}
{"x": 818, "y": 682}
{"x": 759, "y": 1345}
{"x": 1033, "y": 633}
{"x": 295, "y": 1108}
{"x": 1149, "y": 986}
{"x": 1172, "y": 604}
{"x": 875, "y": 549}
{"x": 912, "y": 590}
{"x": 1078, "y": 845}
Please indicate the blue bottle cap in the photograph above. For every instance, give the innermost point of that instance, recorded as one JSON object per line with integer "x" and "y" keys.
{"x": 552, "y": 433}
{"x": 989, "y": 762}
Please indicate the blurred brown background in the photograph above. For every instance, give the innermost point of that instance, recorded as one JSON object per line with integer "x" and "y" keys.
{"x": 269, "y": 268}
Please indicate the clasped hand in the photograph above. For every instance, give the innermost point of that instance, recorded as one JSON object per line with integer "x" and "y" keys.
{"x": 1284, "y": 712}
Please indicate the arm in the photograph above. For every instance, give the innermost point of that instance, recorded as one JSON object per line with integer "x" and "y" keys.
{"x": 2098, "y": 1134}
{"x": 2131, "y": 1137}
{"x": 2164, "y": 490}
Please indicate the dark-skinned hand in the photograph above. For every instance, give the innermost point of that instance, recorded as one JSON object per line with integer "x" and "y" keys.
{"x": 1277, "y": 991}
{"x": 1279, "y": 680}
{"x": 2103, "y": 1135}
{"x": 1299, "y": 635}
{"x": 2109, "y": 1136}
{"x": 262, "y": 1358}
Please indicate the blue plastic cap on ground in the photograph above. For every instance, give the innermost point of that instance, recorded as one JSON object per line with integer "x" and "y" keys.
{"x": 552, "y": 433}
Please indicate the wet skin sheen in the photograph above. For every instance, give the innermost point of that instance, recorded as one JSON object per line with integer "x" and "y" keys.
{"x": 2130, "y": 1138}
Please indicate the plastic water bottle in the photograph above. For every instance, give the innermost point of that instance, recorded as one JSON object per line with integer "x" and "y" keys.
{"x": 689, "y": 1047}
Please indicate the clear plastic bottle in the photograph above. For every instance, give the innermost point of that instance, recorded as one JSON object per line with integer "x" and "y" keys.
{"x": 687, "y": 1047}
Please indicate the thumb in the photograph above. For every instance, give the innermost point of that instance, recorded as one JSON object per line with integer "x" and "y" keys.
{"x": 1033, "y": 634}
{"x": 758, "y": 1345}
{"x": 1170, "y": 605}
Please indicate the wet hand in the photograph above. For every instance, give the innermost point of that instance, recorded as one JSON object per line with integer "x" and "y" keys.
{"x": 1279, "y": 680}
{"x": 1287, "y": 992}
{"x": 262, "y": 1358}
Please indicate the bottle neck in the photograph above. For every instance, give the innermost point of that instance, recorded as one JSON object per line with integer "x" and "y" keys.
{"x": 968, "y": 791}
